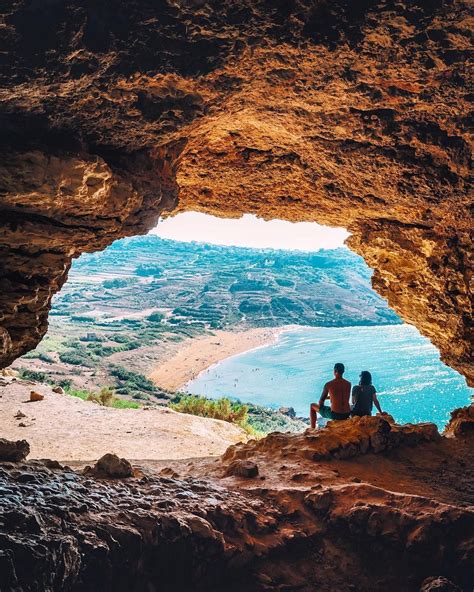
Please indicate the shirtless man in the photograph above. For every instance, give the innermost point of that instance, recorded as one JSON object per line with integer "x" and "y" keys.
{"x": 338, "y": 390}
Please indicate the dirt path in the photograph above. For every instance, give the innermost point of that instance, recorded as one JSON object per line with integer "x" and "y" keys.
{"x": 66, "y": 428}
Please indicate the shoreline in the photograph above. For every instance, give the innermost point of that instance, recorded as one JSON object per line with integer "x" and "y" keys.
{"x": 198, "y": 355}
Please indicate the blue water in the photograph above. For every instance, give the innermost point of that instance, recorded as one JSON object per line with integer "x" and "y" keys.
{"x": 412, "y": 383}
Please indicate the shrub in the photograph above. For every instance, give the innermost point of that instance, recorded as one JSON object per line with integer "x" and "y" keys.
{"x": 46, "y": 358}
{"x": 33, "y": 375}
{"x": 104, "y": 397}
{"x": 77, "y": 357}
{"x": 156, "y": 317}
{"x": 127, "y": 380}
{"x": 223, "y": 408}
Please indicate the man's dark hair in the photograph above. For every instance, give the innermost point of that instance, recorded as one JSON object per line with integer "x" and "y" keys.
{"x": 339, "y": 368}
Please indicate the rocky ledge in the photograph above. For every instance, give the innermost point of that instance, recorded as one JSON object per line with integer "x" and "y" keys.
{"x": 370, "y": 522}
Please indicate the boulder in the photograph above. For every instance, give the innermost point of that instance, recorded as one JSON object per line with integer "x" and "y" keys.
{"x": 461, "y": 423}
{"x": 242, "y": 468}
{"x": 110, "y": 466}
{"x": 288, "y": 411}
{"x": 13, "y": 451}
{"x": 59, "y": 390}
{"x": 438, "y": 584}
{"x": 35, "y": 396}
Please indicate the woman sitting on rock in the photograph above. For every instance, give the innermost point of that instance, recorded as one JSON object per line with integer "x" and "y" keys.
{"x": 364, "y": 396}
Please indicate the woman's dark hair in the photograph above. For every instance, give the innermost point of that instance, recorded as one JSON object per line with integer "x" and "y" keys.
{"x": 365, "y": 378}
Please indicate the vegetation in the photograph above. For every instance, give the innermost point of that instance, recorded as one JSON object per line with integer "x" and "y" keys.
{"x": 104, "y": 397}
{"x": 132, "y": 383}
{"x": 224, "y": 408}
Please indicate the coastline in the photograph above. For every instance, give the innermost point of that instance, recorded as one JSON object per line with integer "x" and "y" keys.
{"x": 198, "y": 355}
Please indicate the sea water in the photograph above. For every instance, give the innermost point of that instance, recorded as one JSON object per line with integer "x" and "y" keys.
{"x": 412, "y": 383}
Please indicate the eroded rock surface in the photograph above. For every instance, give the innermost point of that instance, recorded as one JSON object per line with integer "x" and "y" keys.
{"x": 199, "y": 528}
{"x": 345, "y": 113}
{"x": 461, "y": 424}
{"x": 338, "y": 440}
{"x": 13, "y": 450}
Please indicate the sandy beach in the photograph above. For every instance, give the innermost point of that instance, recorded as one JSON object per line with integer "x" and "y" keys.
{"x": 197, "y": 355}
{"x": 66, "y": 428}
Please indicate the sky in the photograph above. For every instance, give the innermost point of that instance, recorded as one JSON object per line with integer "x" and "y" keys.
{"x": 250, "y": 231}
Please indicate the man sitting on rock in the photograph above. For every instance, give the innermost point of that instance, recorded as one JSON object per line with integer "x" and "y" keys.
{"x": 338, "y": 390}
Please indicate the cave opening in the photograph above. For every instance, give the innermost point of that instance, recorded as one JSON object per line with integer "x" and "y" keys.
{"x": 352, "y": 114}
{"x": 250, "y": 311}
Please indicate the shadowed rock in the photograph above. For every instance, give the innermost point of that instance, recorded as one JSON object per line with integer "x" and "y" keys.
{"x": 110, "y": 466}
{"x": 461, "y": 423}
{"x": 13, "y": 451}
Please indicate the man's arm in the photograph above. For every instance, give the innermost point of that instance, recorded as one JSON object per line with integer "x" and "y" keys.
{"x": 324, "y": 395}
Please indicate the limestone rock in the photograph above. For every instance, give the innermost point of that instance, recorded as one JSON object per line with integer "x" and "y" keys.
{"x": 110, "y": 466}
{"x": 461, "y": 423}
{"x": 338, "y": 440}
{"x": 34, "y": 396}
{"x": 58, "y": 389}
{"x": 13, "y": 451}
{"x": 243, "y": 468}
{"x": 289, "y": 411}
{"x": 337, "y": 112}
{"x": 439, "y": 584}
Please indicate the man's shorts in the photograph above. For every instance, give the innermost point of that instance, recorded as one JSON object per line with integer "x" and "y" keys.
{"x": 326, "y": 412}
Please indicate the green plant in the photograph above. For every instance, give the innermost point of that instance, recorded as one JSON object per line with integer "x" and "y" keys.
{"x": 223, "y": 408}
{"x": 33, "y": 375}
{"x": 46, "y": 358}
{"x": 104, "y": 397}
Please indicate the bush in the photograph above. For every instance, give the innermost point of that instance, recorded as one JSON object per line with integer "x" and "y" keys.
{"x": 156, "y": 317}
{"x": 46, "y": 358}
{"x": 223, "y": 408}
{"x": 77, "y": 357}
{"x": 127, "y": 380}
{"x": 33, "y": 375}
{"x": 104, "y": 397}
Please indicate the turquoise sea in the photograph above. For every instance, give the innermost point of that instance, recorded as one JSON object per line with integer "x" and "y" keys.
{"x": 412, "y": 383}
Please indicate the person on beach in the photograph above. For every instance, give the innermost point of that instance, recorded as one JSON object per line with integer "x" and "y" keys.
{"x": 364, "y": 396}
{"x": 339, "y": 391}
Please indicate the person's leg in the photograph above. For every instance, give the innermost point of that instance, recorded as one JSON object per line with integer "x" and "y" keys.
{"x": 325, "y": 411}
{"x": 313, "y": 410}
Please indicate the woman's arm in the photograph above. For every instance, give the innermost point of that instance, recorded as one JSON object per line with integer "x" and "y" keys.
{"x": 376, "y": 402}
{"x": 355, "y": 392}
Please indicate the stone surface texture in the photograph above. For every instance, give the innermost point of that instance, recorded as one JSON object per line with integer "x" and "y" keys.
{"x": 351, "y": 114}
{"x": 300, "y": 524}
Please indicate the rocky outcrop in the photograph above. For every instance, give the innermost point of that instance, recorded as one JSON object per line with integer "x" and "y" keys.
{"x": 338, "y": 440}
{"x": 461, "y": 424}
{"x": 171, "y": 534}
{"x": 345, "y": 113}
{"x": 13, "y": 451}
{"x": 110, "y": 466}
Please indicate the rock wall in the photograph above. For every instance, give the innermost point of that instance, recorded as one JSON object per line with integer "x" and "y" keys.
{"x": 347, "y": 113}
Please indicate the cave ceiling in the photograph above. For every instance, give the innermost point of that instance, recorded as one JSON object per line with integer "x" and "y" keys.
{"x": 354, "y": 114}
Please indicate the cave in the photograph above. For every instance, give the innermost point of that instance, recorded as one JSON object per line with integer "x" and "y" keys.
{"x": 351, "y": 114}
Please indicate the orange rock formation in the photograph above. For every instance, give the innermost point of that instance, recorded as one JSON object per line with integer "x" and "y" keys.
{"x": 347, "y": 113}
